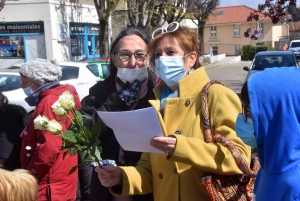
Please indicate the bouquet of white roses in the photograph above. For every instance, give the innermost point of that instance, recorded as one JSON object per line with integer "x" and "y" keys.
{"x": 77, "y": 137}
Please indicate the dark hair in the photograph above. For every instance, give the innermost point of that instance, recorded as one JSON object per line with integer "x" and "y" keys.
{"x": 187, "y": 40}
{"x": 244, "y": 94}
{"x": 126, "y": 32}
{"x": 3, "y": 99}
{"x": 245, "y": 99}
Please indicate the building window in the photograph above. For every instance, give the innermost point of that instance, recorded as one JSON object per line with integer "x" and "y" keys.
{"x": 236, "y": 30}
{"x": 213, "y": 32}
{"x": 215, "y": 50}
{"x": 237, "y": 49}
{"x": 84, "y": 40}
{"x": 260, "y": 28}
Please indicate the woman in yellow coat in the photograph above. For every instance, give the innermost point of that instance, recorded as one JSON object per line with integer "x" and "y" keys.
{"x": 176, "y": 176}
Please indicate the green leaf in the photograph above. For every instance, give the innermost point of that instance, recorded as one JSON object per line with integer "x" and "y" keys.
{"x": 96, "y": 142}
{"x": 97, "y": 154}
{"x": 86, "y": 116}
{"x": 99, "y": 148}
{"x": 73, "y": 169}
{"x": 84, "y": 155}
{"x": 79, "y": 117}
{"x": 65, "y": 154}
{"x": 69, "y": 135}
{"x": 73, "y": 152}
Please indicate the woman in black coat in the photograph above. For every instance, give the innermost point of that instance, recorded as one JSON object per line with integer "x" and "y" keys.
{"x": 11, "y": 126}
{"x": 129, "y": 87}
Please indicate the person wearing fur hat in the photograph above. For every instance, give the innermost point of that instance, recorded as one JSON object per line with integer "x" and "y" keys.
{"x": 46, "y": 161}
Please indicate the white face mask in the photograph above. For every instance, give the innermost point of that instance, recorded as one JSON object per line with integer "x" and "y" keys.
{"x": 131, "y": 74}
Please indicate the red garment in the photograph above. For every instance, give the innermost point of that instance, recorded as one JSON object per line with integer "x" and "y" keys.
{"x": 47, "y": 163}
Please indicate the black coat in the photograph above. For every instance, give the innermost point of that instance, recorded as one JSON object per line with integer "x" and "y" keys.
{"x": 11, "y": 126}
{"x": 104, "y": 97}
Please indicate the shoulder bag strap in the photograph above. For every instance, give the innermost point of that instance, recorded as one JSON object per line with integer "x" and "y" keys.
{"x": 236, "y": 154}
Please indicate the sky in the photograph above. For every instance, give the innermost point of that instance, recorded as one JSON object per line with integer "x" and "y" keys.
{"x": 250, "y": 3}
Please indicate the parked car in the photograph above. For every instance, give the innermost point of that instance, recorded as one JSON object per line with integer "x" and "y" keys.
{"x": 295, "y": 48}
{"x": 99, "y": 67}
{"x": 270, "y": 59}
{"x": 75, "y": 73}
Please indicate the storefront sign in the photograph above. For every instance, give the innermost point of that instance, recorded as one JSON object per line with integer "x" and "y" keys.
{"x": 76, "y": 28}
{"x": 93, "y": 29}
{"x": 21, "y": 28}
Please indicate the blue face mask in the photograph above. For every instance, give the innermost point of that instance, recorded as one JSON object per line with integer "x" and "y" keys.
{"x": 170, "y": 69}
{"x": 245, "y": 131}
{"x": 28, "y": 91}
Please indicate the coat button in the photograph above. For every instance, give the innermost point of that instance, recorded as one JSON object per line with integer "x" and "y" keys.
{"x": 178, "y": 132}
{"x": 160, "y": 175}
{"x": 175, "y": 170}
{"x": 187, "y": 103}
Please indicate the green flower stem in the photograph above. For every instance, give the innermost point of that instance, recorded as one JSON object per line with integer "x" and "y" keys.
{"x": 70, "y": 117}
{"x": 79, "y": 126}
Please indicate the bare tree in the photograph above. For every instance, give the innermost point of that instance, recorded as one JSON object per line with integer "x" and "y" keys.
{"x": 199, "y": 12}
{"x": 2, "y": 3}
{"x": 150, "y": 14}
{"x": 104, "y": 10}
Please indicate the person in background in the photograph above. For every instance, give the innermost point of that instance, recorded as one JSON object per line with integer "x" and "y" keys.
{"x": 129, "y": 87}
{"x": 11, "y": 126}
{"x": 176, "y": 175}
{"x": 276, "y": 126}
{"x": 17, "y": 185}
{"x": 285, "y": 47}
{"x": 46, "y": 160}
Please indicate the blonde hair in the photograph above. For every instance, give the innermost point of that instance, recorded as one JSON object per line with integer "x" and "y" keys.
{"x": 18, "y": 185}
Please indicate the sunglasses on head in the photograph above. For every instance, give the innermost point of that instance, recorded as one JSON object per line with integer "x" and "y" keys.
{"x": 170, "y": 28}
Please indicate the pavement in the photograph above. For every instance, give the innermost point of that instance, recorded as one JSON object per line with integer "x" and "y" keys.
{"x": 223, "y": 62}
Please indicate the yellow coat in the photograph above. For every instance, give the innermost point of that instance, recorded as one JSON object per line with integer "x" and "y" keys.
{"x": 178, "y": 178}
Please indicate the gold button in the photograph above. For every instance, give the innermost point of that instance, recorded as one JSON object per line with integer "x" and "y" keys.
{"x": 187, "y": 103}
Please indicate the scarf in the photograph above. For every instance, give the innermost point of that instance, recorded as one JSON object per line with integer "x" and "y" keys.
{"x": 33, "y": 99}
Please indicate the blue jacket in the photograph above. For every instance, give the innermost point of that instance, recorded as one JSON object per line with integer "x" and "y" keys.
{"x": 275, "y": 107}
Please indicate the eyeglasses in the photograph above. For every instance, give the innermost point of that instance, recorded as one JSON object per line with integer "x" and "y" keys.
{"x": 170, "y": 28}
{"x": 125, "y": 55}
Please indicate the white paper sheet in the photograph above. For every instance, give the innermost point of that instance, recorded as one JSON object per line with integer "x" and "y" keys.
{"x": 134, "y": 129}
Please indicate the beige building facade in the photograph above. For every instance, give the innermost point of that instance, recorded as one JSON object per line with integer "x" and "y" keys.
{"x": 224, "y": 31}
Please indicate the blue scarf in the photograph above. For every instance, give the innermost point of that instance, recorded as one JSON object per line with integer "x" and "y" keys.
{"x": 166, "y": 93}
{"x": 33, "y": 99}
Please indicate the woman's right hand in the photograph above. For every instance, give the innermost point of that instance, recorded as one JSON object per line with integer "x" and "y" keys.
{"x": 109, "y": 175}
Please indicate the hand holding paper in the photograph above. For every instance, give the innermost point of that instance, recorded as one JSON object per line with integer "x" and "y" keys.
{"x": 134, "y": 129}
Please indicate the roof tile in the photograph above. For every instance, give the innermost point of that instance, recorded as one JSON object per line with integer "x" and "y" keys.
{"x": 232, "y": 14}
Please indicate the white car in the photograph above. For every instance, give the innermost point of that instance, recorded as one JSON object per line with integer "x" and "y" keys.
{"x": 74, "y": 73}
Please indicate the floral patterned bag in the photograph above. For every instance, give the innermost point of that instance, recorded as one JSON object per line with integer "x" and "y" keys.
{"x": 221, "y": 187}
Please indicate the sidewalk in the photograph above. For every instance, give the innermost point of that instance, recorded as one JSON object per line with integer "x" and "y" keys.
{"x": 225, "y": 61}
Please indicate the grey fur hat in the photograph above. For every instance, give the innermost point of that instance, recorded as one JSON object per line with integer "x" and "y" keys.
{"x": 41, "y": 71}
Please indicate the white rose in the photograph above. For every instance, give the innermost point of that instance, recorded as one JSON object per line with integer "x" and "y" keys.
{"x": 40, "y": 122}
{"x": 54, "y": 127}
{"x": 58, "y": 109}
{"x": 67, "y": 101}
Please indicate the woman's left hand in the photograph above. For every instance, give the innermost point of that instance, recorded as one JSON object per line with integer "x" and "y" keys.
{"x": 165, "y": 144}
